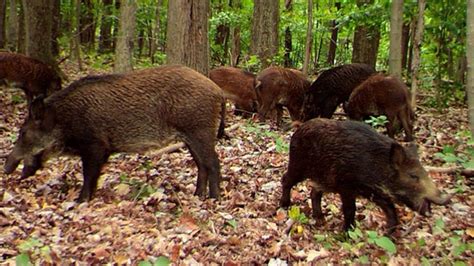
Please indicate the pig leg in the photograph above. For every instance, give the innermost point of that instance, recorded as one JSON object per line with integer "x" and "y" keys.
{"x": 404, "y": 117}
{"x": 390, "y": 212}
{"x": 287, "y": 183}
{"x": 316, "y": 196}
{"x": 348, "y": 209}
{"x": 391, "y": 125}
{"x": 208, "y": 165}
{"x": 92, "y": 161}
{"x": 329, "y": 107}
{"x": 279, "y": 109}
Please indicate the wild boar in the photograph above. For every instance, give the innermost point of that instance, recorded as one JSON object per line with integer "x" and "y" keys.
{"x": 383, "y": 95}
{"x": 352, "y": 159}
{"x": 238, "y": 86}
{"x": 31, "y": 75}
{"x": 280, "y": 87}
{"x": 333, "y": 87}
{"x": 132, "y": 112}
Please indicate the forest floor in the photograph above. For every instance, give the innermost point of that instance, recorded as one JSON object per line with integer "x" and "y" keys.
{"x": 144, "y": 210}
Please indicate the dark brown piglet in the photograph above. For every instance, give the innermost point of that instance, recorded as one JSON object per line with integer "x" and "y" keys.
{"x": 132, "y": 112}
{"x": 383, "y": 95}
{"x": 238, "y": 86}
{"x": 281, "y": 87}
{"x": 32, "y": 76}
{"x": 352, "y": 159}
{"x": 333, "y": 87}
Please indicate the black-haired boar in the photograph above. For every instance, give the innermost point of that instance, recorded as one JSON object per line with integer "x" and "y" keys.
{"x": 352, "y": 159}
{"x": 333, "y": 87}
{"x": 132, "y": 112}
{"x": 32, "y": 76}
{"x": 238, "y": 86}
{"x": 279, "y": 87}
{"x": 383, "y": 95}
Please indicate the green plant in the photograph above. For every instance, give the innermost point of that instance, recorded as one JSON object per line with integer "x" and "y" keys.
{"x": 298, "y": 218}
{"x": 160, "y": 261}
{"x": 33, "y": 248}
{"x": 139, "y": 189}
{"x": 377, "y": 121}
{"x": 281, "y": 146}
{"x": 453, "y": 154}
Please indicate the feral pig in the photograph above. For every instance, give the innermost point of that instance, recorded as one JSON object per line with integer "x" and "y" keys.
{"x": 280, "y": 87}
{"x": 238, "y": 86}
{"x": 132, "y": 112}
{"x": 333, "y": 87}
{"x": 352, "y": 159}
{"x": 383, "y": 95}
{"x": 32, "y": 76}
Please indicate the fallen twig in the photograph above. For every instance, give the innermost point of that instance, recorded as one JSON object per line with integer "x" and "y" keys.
{"x": 451, "y": 170}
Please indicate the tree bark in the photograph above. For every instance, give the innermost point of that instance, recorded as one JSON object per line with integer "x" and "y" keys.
{"x": 55, "y": 32}
{"x": 366, "y": 41}
{"x": 156, "y": 32}
{"x": 265, "y": 30}
{"x": 21, "y": 47}
{"x": 38, "y": 24}
{"x": 87, "y": 24}
{"x": 125, "y": 38}
{"x": 420, "y": 24}
{"x": 105, "y": 37}
{"x": 13, "y": 26}
{"x": 3, "y": 19}
{"x": 333, "y": 42}
{"x": 235, "y": 37}
{"x": 470, "y": 62}
{"x": 405, "y": 42}
{"x": 309, "y": 38}
{"x": 187, "y": 41}
{"x": 288, "y": 38}
{"x": 396, "y": 24}
{"x": 76, "y": 41}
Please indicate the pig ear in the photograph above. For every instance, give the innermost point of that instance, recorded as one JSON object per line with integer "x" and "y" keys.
{"x": 397, "y": 155}
{"x": 37, "y": 109}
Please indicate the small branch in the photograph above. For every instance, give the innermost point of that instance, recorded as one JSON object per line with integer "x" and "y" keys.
{"x": 451, "y": 170}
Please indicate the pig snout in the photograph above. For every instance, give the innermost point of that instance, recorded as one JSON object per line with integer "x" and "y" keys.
{"x": 11, "y": 164}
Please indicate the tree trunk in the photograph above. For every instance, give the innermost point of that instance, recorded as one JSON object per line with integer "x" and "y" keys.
{"x": 420, "y": 24}
{"x": 55, "y": 32}
{"x": 21, "y": 48}
{"x": 76, "y": 41}
{"x": 3, "y": 19}
{"x": 87, "y": 24}
{"x": 333, "y": 42}
{"x": 105, "y": 37}
{"x": 38, "y": 22}
{"x": 156, "y": 32}
{"x": 396, "y": 24}
{"x": 124, "y": 49}
{"x": 265, "y": 30}
{"x": 470, "y": 62}
{"x": 187, "y": 41}
{"x": 288, "y": 37}
{"x": 405, "y": 42}
{"x": 235, "y": 36}
{"x": 13, "y": 26}
{"x": 366, "y": 41}
{"x": 309, "y": 38}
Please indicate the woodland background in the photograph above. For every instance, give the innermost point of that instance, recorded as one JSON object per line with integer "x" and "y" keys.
{"x": 141, "y": 216}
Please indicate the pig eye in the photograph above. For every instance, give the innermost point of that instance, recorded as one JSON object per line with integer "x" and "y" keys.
{"x": 415, "y": 177}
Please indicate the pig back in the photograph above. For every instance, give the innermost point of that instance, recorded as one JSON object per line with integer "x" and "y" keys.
{"x": 140, "y": 109}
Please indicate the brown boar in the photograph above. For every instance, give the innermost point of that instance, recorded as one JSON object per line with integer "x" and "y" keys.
{"x": 352, "y": 159}
{"x": 238, "y": 86}
{"x": 100, "y": 115}
{"x": 31, "y": 75}
{"x": 333, "y": 87}
{"x": 280, "y": 87}
{"x": 383, "y": 95}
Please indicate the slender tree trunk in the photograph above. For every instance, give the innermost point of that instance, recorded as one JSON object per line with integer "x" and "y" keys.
{"x": 3, "y": 19}
{"x": 38, "y": 24}
{"x": 124, "y": 49}
{"x": 309, "y": 38}
{"x": 76, "y": 40}
{"x": 265, "y": 30}
{"x": 21, "y": 48}
{"x": 187, "y": 41}
{"x": 55, "y": 32}
{"x": 87, "y": 24}
{"x": 13, "y": 26}
{"x": 333, "y": 42}
{"x": 420, "y": 24}
{"x": 288, "y": 37}
{"x": 235, "y": 37}
{"x": 396, "y": 24}
{"x": 156, "y": 32}
{"x": 405, "y": 42}
{"x": 105, "y": 37}
{"x": 470, "y": 62}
